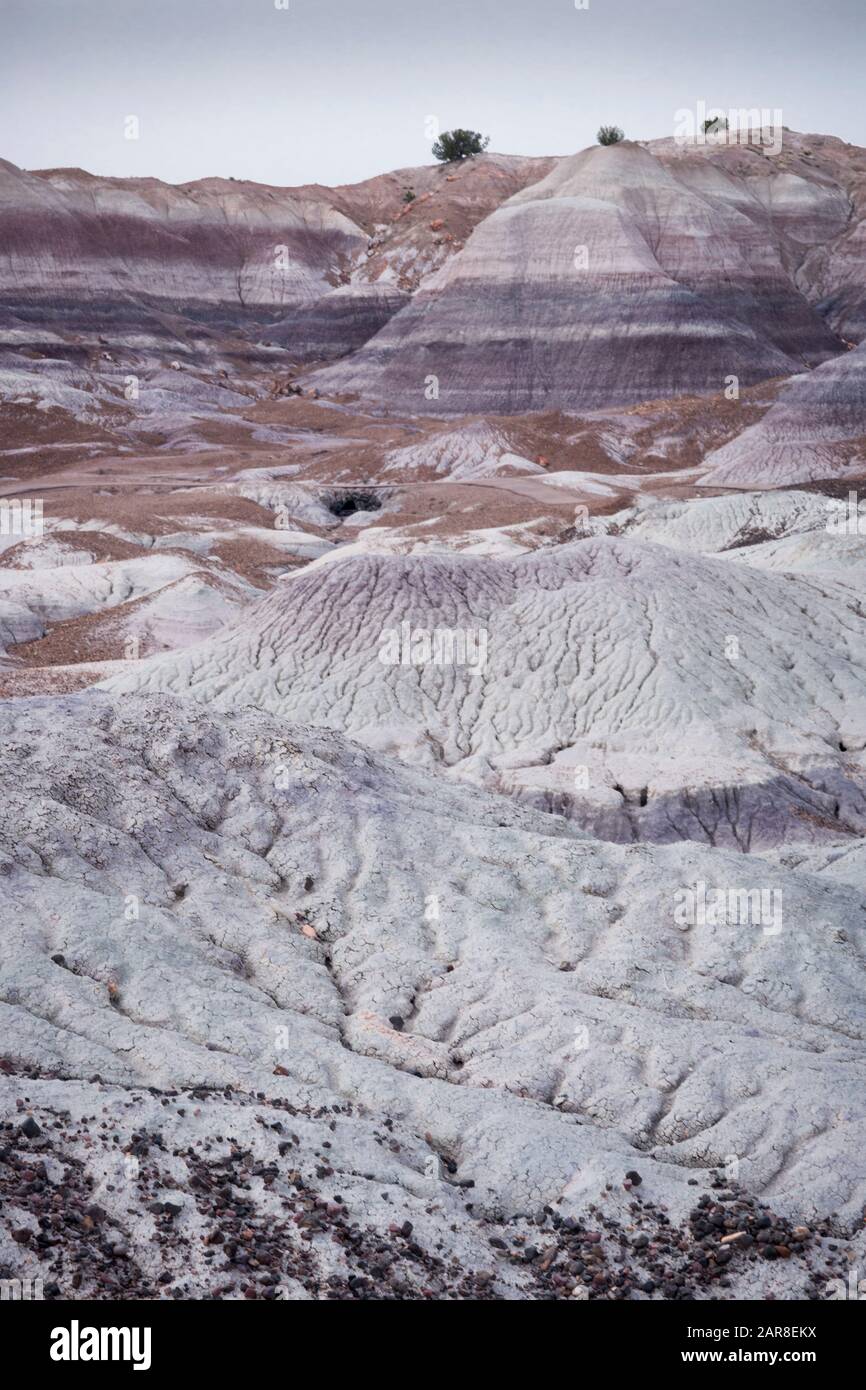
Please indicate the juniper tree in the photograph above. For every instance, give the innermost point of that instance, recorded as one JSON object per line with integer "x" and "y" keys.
{"x": 459, "y": 144}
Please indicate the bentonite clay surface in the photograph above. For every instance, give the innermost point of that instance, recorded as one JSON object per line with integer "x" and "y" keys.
{"x": 253, "y": 1018}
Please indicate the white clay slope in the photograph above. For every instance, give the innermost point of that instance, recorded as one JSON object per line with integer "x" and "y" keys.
{"x": 195, "y": 899}
{"x": 646, "y": 692}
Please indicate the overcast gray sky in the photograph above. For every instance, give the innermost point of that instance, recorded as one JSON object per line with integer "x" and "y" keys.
{"x": 337, "y": 90}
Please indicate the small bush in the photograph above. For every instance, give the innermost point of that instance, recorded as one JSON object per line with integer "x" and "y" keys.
{"x": 459, "y": 144}
{"x": 610, "y": 135}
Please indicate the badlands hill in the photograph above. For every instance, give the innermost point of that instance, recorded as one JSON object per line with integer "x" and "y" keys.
{"x": 816, "y": 429}
{"x": 100, "y": 251}
{"x": 133, "y": 311}
{"x": 655, "y": 672}
{"x": 634, "y": 272}
{"x": 207, "y": 296}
